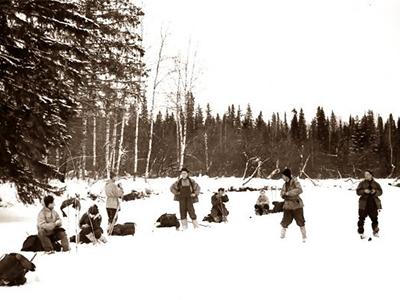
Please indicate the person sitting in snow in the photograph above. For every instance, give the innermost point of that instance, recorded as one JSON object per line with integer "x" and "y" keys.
{"x": 186, "y": 191}
{"x": 90, "y": 225}
{"x": 262, "y": 204}
{"x": 113, "y": 192}
{"x": 49, "y": 226}
{"x": 369, "y": 204}
{"x": 293, "y": 204}
{"x": 219, "y": 212}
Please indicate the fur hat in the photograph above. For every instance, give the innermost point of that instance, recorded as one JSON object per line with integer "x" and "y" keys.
{"x": 48, "y": 200}
{"x": 93, "y": 210}
{"x": 287, "y": 173}
{"x": 184, "y": 170}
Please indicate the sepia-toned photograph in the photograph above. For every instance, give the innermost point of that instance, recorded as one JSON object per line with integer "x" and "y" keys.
{"x": 187, "y": 149}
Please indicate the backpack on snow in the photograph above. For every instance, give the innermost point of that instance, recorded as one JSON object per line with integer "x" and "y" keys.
{"x": 168, "y": 220}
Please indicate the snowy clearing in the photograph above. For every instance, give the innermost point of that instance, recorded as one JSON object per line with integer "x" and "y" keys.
{"x": 242, "y": 259}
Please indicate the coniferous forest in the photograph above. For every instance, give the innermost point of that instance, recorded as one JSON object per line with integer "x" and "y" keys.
{"x": 73, "y": 103}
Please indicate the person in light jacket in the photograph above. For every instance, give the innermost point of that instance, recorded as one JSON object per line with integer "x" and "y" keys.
{"x": 293, "y": 204}
{"x": 186, "y": 191}
{"x": 113, "y": 193}
{"x": 262, "y": 205}
{"x": 49, "y": 226}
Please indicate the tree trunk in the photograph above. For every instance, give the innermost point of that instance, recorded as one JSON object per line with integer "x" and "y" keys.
{"x": 107, "y": 145}
{"x": 94, "y": 144}
{"x": 135, "y": 159}
{"x": 206, "y": 151}
{"x": 121, "y": 143}
{"x": 82, "y": 171}
{"x": 114, "y": 144}
{"x": 153, "y": 97}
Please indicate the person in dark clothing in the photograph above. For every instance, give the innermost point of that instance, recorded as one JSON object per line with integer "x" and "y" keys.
{"x": 90, "y": 224}
{"x": 369, "y": 203}
{"x": 219, "y": 212}
{"x": 186, "y": 191}
{"x": 293, "y": 204}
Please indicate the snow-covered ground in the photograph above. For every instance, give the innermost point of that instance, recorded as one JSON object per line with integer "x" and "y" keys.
{"x": 242, "y": 259}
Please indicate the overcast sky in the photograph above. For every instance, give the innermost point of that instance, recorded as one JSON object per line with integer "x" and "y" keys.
{"x": 283, "y": 54}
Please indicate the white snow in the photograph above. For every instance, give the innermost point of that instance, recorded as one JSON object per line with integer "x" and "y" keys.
{"x": 242, "y": 259}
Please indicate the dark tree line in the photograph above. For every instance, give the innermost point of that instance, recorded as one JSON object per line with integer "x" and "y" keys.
{"x": 221, "y": 145}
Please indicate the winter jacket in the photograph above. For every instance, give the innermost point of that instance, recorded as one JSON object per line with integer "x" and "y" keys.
{"x": 46, "y": 219}
{"x": 293, "y": 200}
{"x": 194, "y": 188}
{"x": 113, "y": 192}
{"x": 370, "y": 185}
{"x": 262, "y": 199}
{"x": 94, "y": 222}
{"x": 218, "y": 206}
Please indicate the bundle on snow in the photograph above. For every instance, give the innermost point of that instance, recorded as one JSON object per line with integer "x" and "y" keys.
{"x": 13, "y": 267}
{"x": 33, "y": 244}
{"x": 72, "y": 201}
{"x": 246, "y": 189}
{"x": 124, "y": 229}
{"x": 133, "y": 196}
{"x": 278, "y": 207}
{"x": 168, "y": 220}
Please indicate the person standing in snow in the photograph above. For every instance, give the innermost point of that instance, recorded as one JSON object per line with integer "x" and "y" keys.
{"x": 186, "y": 191}
{"x": 293, "y": 204}
{"x": 262, "y": 204}
{"x": 49, "y": 226}
{"x": 113, "y": 192}
{"x": 369, "y": 203}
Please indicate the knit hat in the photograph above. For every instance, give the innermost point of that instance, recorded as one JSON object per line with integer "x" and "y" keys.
{"x": 48, "y": 200}
{"x": 370, "y": 172}
{"x": 287, "y": 172}
{"x": 93, "y": 210}
{"x": 184, "y": 170}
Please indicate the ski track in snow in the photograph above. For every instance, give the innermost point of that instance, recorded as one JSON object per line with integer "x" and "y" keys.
{"x": 242, "y": 259}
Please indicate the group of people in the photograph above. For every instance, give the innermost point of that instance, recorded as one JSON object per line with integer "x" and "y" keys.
{"x": 186, "y": 191}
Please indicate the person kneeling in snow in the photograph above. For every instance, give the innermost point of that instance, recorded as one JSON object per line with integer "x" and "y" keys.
{"x": 218, "y": 211}
{"x": 90, "y": 224}
{"x": 49, "y": 226}
{"x": 262, "y": 204}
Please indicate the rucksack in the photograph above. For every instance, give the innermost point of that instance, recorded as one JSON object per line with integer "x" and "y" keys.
{"x": 33, "y": 244}
{"x": 168, "y": 220}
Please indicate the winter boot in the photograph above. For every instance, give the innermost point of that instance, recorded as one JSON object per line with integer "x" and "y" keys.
{"x": 184, "y": 224}
{"x": 362, "y": 236}
{"x": 376, "y": 233}
{"x": 303, "y": 233}
{"x": 283, "y": 232}
{"x": 103, "y": 239}
{"x": 195, "y": 224}
{"x": 92, "y": 238}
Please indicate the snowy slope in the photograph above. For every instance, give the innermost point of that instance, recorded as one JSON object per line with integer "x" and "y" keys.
{"x": 243, "y": 259}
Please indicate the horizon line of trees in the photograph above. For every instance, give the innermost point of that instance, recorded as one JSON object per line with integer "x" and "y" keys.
{"x": 236, "y": 143}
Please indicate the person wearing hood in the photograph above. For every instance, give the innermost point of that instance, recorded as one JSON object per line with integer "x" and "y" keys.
{"x": 49, "y": 226}
{"x": 293, "y": 204}
{"x": 369, "y": 203}
{"x": 90, "y": 225}
{"x": 113, "y": 193}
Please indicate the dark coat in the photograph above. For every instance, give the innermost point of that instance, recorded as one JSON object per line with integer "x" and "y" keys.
{"x": 13, "y": 268}
{"x": 93, "y": 222}
{"x": 370, "y": 185}
{"x": 218, "y": 207}
{"x": 194, "y": 188}
{"x": 293, "y": 200}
